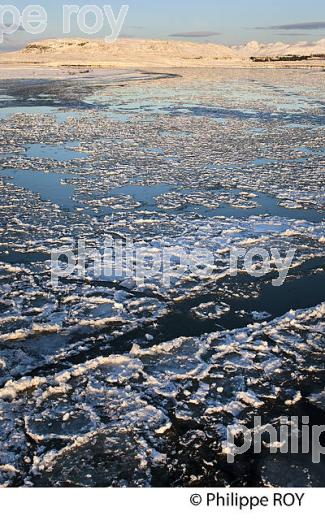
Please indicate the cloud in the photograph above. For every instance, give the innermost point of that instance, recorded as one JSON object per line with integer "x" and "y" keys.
{"x": 194, "y": 34}
{"x": 310, "y": 26}
{"x": 301, "y": 35}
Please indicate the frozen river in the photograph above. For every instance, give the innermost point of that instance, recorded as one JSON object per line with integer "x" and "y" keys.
{"x": 115, "y": 381}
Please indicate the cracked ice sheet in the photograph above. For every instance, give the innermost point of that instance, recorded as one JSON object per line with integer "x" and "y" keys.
{"x": 87, "y": 157}
{"x": 117, "y": 418}
{"x": 40, "y": 324}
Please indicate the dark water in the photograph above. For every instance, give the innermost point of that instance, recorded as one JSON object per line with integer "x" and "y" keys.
{"x": 226, "y": 113}
{"x": 267, "y": 204}
{"x": 56, "y": 153}
{"x": 50, "y": 187}
{"x": 46, "y": 95}
{"x": 303, "y": 289}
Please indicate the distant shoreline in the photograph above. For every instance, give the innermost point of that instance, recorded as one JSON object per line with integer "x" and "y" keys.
{"x": 153, "y": 54}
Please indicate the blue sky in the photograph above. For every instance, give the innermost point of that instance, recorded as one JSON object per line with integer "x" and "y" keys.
{"x": 221, "y": 21}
